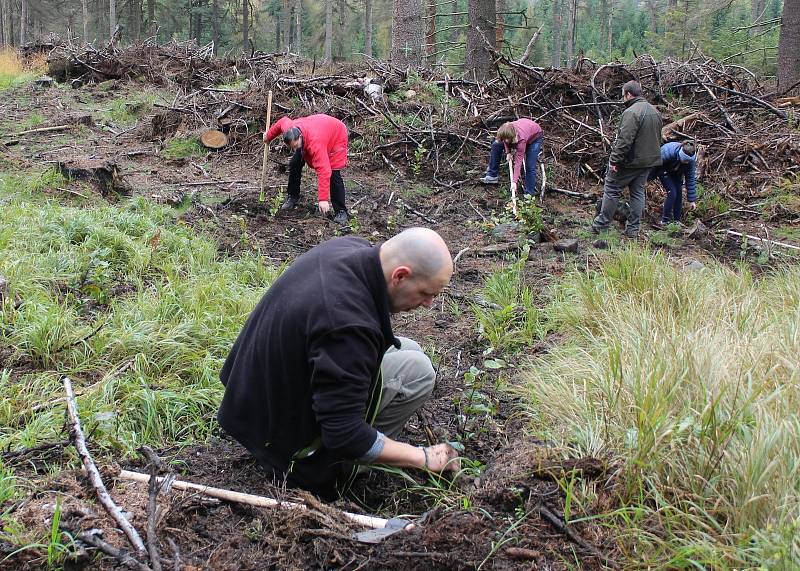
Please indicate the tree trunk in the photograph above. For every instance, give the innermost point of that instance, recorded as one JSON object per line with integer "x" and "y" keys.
{"x": 555, "y": 55}
{"x": 408, "y": 33}
{"x": 112, "y": 17}
{"x": 245, "y": 25}
{"x": 652, "y": 9}
{"x": 571, "y": 26}
{"x": 500, "y": 26}
{"x": 198, "y": 25}
{"x": 610, "y": 27}
{"x": 286, "y": 19}
{"x": 482, "y": 15}
{"x": 298, "y": 30}
{"x": 23, "y": 21}
{"x": 789, "y": 47}
{"x": 338, "y": 30}
{"x": 328, "y": 57}
{"x": 151, "y": 18}
{"x": 136, "y": 19}
{"x": 368, "y": 28}
{"x": 757, "y": 12}
{"x": 430, "y": 36}
{"x": 215, "y": 24}
{"x": 5, "y": 21}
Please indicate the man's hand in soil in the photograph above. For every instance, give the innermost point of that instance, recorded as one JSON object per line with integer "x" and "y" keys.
{"x": 442, "y": 458}
{"x": 324, "y": 206}
{"x": 438, "y": 458}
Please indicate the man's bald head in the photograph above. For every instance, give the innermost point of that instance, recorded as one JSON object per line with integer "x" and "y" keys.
{"x": 417, "y": 265}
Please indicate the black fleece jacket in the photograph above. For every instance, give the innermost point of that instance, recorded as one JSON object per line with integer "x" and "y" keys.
{"x": 302, "y": 382}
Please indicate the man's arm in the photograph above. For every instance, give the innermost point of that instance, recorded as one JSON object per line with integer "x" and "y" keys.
{"x": 626, "y": 135}
{"x": 279, "y": 128}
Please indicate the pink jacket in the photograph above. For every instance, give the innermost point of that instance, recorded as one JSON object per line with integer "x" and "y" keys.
{"x": 527, "y": 132}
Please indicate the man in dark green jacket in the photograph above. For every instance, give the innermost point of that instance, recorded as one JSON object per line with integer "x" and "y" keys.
{"x": 636, "y": 150}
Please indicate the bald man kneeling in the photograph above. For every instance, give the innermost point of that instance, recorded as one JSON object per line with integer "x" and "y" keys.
{"x": 317, "y": 384}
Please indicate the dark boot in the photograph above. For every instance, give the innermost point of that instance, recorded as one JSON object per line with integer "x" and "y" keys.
{"x": 290, "y": 202}
{"x": 341, "y": 217}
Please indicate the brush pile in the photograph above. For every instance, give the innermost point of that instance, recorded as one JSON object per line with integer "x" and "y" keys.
{"x": 426, "y": 120}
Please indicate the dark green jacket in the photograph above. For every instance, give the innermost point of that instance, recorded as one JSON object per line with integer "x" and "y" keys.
{"x": 638, "y": 142}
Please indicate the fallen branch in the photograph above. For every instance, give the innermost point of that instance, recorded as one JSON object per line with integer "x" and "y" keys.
{"x": 576, "y": 194}
{"x": 154, "y": 463}
{"x": 40, "y": 130}
{"x": 417, "y": 212}
{"x": 94, "y": 475}
{"x": 768, "y": 242}
{"x": 122, "y": 556}
{"x": 250, "y": 499}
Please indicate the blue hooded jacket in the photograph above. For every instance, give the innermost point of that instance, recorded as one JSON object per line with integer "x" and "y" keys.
{"x": 671, "y": 164}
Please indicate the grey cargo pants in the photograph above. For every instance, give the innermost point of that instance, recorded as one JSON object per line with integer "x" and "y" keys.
{"x": 615, "y": 183}
{"x": 408, "y": 379}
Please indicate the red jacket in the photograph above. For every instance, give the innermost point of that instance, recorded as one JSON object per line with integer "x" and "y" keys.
{"x": 324, "y": 146}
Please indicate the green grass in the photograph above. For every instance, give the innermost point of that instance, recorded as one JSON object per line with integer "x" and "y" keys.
{"x": 136, "y": 308}
{"x": 509, "y": 319}
{"x": 32, "y": 121}
{"x": 126, "y": 111}
{"x": 178, "y": 148}
{"x": 691, "y": 380}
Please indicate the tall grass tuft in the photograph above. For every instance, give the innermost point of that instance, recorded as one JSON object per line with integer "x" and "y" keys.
{"x": 138, "y": 309}
{"x": 693, "y": 380}
{"x": 13, "y": 70}
{"x": 508, "y": 317}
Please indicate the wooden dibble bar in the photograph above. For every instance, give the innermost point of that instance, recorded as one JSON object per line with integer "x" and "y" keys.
{"x": 249, "y": 499}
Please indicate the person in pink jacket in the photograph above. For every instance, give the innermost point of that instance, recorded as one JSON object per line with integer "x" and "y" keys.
{"x": 520, "y": 138}
{"x": 320, "y": 141}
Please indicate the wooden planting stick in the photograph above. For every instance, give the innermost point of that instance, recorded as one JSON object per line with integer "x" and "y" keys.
{"x": 94, "y": 475}
{"x": 513, "y": 192}
{"x": 266, "y": 148}
{"x": 249, "y": 499}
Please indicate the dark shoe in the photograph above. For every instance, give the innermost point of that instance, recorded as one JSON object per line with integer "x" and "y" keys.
{"x": 660, "y": 225}
{"x": 631, "y": 235}
{"x": 341, "y": 217}
{"x": 595, "y": 230}
{"x": 290, "y": 203}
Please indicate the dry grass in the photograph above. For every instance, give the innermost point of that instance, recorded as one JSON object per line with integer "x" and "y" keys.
{"x": 14, "y": 70}
{"x": 692, "y": 380}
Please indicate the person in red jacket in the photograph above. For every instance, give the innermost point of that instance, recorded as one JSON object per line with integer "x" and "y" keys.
{"x": 321, "y": 142}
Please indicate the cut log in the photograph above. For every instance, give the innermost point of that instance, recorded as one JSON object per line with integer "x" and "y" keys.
{"x": 104, "y": 175}
{"x": 213, "y": 139}
{"x": 680, "y": 125}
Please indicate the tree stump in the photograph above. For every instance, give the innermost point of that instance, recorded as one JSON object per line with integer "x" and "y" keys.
{"x": 103, "y": 175}
{"x": 213, "y": 139}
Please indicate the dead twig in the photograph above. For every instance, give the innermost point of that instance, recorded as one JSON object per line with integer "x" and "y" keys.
{"x": 94, "y": 474}
{"x": 122, "y": 556}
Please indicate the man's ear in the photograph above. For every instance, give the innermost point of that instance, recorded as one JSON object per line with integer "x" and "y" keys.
{"x": 401, "y": 273}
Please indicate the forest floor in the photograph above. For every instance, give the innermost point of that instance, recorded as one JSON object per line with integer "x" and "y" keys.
{"x": 507, "y": 508}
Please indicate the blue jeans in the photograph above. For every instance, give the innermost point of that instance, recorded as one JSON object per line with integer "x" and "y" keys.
{"x": 531, "y": 158}
{"x": 672, "y": 182}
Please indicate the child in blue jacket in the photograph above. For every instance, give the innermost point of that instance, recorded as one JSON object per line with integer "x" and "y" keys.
{"x": 677, "y": 166}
